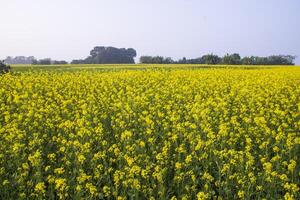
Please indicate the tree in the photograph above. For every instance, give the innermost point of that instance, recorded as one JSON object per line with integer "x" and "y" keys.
{"x": 233, "y": 59}
{"x": 35, "y": 62}
{"x": 281, "y": 60}
{"x": 248, "y": 61}
{"x": 168, "y": 60}
{"x": 146, "y": 59}
{"x": 211, "y": 59}
{"x": 182, "y": 61}
{"x": 59, "y": 62}
{"x": 48, "y": 61}
{"x": 290, "y": 59}
{"x": 156, "y": 60}
{"x": 110, "y": 55}
{"x": 45, "y": 61}
{"x": 270, "y": 60}
{"x": 4, "y": 68}
{"x": 19, "y": 60}
{"x": 131, "y": 52}
{"x": 77, "y": 61}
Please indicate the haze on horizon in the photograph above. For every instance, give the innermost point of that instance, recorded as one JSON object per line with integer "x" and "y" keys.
{"x": 69, "y": 29}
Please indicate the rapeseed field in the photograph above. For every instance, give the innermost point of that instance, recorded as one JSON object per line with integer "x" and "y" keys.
{"x": 151, "y": 134}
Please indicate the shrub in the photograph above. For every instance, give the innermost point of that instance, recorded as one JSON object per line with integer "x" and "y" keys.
{"x": 4, "y": 68}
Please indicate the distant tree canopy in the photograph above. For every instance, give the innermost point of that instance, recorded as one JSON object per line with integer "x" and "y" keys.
{"x": 78, "y": 61}
{"x": 190, "y": 61}
{"x": 228, "y": 59}
{"x": 270, "y": 60}
{"x": 233, "y": 59}
{"x": 4, "y": 68}
{"x": 112, "y": 55}
{"x": 206, "y": 59}
{"x": 211, "y": 59}
{"x": 48, "y": 61}
{"x": 59, "y": 62}
{"x": 155, "y": 60}
{"x": 19, "y": 60}
{"x": 45, "y": 61}
{"x": 108, "y": 55}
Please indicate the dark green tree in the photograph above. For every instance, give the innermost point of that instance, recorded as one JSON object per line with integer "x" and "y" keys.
{"x": 110, "y": 55}
{"x": 146, "y": 59}
{"x": 232, "y": 59}
{"x": 211, "y": 59}
{"x": 4, "y": 68}
{"x": 59, "y": 62}
{"x": 46, "y": 61}
{"x": 156, "y": 60}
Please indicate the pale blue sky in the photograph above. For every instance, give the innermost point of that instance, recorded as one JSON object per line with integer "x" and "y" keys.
{"x": 69, "y": 29}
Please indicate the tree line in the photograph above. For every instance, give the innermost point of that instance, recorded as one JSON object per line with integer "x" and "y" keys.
{"x": 228, "y": 59}
{"x": 31, "y": 60}
{"x": 19, "y": 60}
{"x": 113, "y": 55}
{"x": 98, "y": 55}
{"x": 49, "y": 61}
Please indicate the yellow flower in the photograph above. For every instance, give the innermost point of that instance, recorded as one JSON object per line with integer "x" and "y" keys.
{"x": 202, "y": 196}
{"x": 241, "y": 194}
{"x": 268, "y": 167}
{"x": 207, "y": 176}
{"x": 91, "y": 188}
{"x": 35, "y": 159}
{"x": 188, "y": 159}
{"x": 129, "y": 160}
{"x": 59, "y": 170}
{"x": 142, "y": 144}
{"x": 60, "y": 184}
{"x": 178, "y": 165}
{"x": 5, "y": 182}
{"x": 106, "y": 191}
{"x": 126, "y": 135}
{"x": 289, "y": 196}
{"x": 81, "y": 158}
{"x": 292, "y": 166}
{"x": 40, "y": 188}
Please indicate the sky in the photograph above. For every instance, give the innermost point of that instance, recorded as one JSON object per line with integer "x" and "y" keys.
{"x": 69, "y": 29}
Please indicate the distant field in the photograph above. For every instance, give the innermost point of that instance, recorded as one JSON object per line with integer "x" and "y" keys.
{"x": 71, "y": 67}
